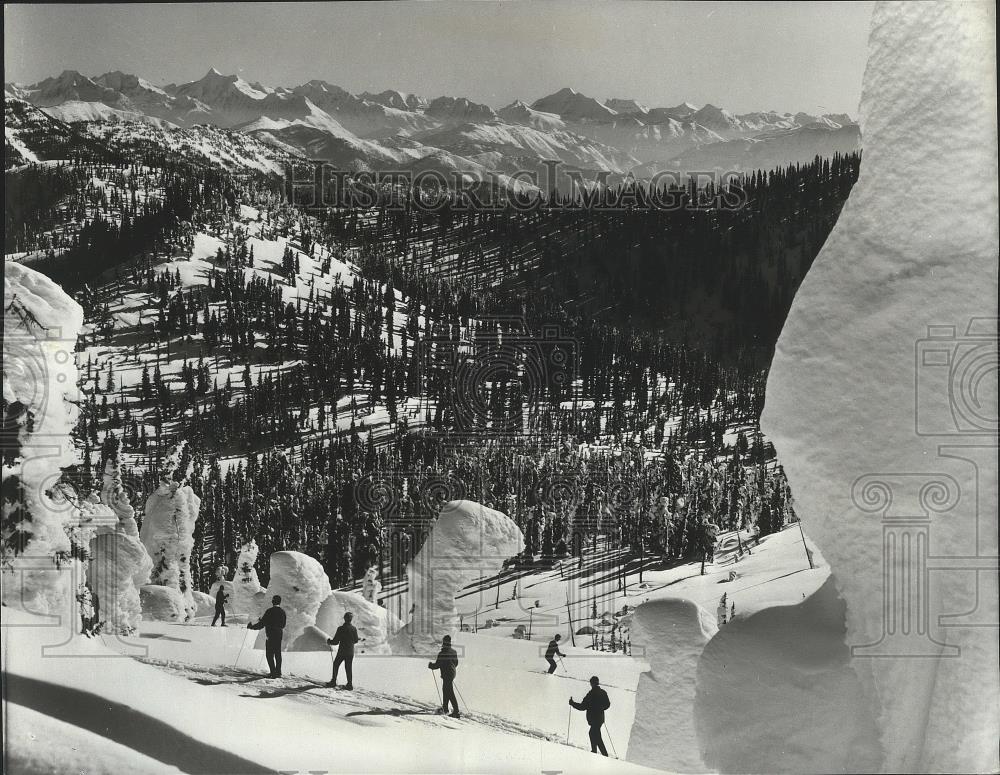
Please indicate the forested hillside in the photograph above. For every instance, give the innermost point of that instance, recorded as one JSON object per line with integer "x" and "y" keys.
{"x": 333, "y": 375}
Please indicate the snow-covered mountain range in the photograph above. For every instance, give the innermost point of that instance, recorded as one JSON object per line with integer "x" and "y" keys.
{"x": 397, "y": 130}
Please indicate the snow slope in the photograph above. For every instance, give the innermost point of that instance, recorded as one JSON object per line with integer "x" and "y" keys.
{"x": 882, "y": 397}
{"x": 188, "y": 724}
{"x": 515, "y": 714}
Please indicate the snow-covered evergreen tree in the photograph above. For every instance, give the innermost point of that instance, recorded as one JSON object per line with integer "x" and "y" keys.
{"x": 119, "y": 562}
{"x": 41, "y": 325}
{"x": 247, "y": 592}
{"x": 168, "y": 527}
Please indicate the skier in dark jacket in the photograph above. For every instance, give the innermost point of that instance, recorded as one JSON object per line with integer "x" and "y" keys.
{"x": 344, "y": 639}
{"x": 595, "y": 703}
{"x": 221, "y": 596}
{"x": 447, "y": 663}
{"x": 273, "y": 624}
{"x": 551, "y": 651}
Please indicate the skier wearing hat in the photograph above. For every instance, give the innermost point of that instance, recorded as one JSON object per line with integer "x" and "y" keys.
{"x": 344, "y": 639}
{"x": 595, "y": 703}
{"x": 447, "y": 663}
{"x": 551, "y": 652}
{"x": 273, "y": 624}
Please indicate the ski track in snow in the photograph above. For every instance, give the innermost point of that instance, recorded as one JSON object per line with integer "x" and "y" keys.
{"x": 352, "y": 705}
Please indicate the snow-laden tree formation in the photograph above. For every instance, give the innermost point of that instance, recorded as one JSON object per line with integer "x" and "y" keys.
{"x": 247, "y": 596}
{"x": 882, "y": 397}
{"x": 119, "y": 562}
{"x": 41, "y": 325}
{"x": 168, "y": 528}
{"x": 466, "y": 541}
{"x": 673, "y": 634}
{"x": 303, "y": 586}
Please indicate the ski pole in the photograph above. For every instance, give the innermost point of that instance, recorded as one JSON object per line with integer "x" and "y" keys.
{"x": 240, "y": 652}
{"x": 463, "y": 699}
{"x": 610, "y": 740}
{"x": 563, "y": 664}
{"x": 436, "y": 689}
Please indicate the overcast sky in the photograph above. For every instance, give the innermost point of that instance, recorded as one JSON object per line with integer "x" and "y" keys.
{"x": 783, "y": 56}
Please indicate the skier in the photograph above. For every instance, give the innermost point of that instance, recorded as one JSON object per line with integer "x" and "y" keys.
{"x": 221, "y": 596}
{"x": 344, "y": 638}
{"x": 447, "y": 661}
{"x": 273, "y": 624}
{"x": 595, "y": 703}
{"x": 551, "y": 651}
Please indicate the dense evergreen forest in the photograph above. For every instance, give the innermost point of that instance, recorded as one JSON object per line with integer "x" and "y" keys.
{"x": 582, "y": 368}
{"x": 717, "y": 268}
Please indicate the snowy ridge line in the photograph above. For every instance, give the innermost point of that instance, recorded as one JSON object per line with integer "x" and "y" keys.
{"x": 447, "y": 135}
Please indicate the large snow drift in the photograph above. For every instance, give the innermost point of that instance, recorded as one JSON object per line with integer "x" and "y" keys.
{"x": 41, "y": 325}
{"x": 882, "y": 397}
{"x": 776, "y": 693}
{"x": 466, "y": 540}
{"x": 163, "y": 604}
{"x": 303, "y": 586}
{"x": 374, "y": 623}
{"x": 663, "y": 734}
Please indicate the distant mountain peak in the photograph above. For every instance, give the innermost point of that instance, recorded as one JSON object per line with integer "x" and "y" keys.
{"x": 573, "y": 106}
{"x": 455, "y": 108}
{"x": 623, "y": 105}
{"x": 324, "y": 121}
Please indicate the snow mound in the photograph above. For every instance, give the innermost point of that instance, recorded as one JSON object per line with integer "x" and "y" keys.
{"x": 776, "y": 693}
{"x": 374, "y": 623}
{"x": 882, "y": 396}
{"x": 672, "y": 634}
{"x": 163, "y": 604}
{"x": 303, "y": 586}
{"x": 466, "y": 540}
{"x": 205, "y": 603}
{"x": 228, "y": 585}
{"x": 311, "y": 639}
{"x": 41, "y": 325}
